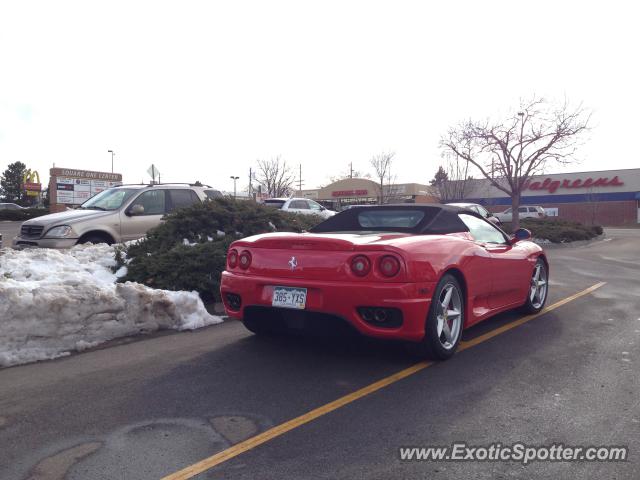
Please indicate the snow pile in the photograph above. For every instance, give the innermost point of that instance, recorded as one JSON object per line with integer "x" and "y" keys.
{"x": 53, "y": 302}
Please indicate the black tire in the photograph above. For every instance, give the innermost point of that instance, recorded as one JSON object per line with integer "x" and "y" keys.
{"x": 95, "y": 239}
{"x": 259, "y": 327}
{"x": 534, "y": 303}
{"x": 431, "y": 345}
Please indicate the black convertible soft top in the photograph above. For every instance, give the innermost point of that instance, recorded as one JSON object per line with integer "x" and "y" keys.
{"x": 406, "y": 217}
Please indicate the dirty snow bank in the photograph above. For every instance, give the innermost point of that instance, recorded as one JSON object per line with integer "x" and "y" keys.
{"x": 54, "y": 302}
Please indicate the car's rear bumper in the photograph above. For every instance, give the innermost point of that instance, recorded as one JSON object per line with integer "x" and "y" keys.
{"x": 340, "y": 299}
{"x": 26, "y": 242}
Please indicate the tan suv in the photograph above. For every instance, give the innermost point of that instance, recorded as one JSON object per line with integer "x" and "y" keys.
{"x": 115, "y": 215}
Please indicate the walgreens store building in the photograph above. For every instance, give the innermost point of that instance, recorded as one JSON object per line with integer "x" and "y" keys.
{"x": 608, "y": 197}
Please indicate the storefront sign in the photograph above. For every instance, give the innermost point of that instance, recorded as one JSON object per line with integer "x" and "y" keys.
{"x": 349, "y": 193}
{"x": 66, "y": 172}
{"x": 552, "y": 186}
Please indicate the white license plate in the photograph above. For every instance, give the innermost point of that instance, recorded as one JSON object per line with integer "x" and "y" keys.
{"x": 289, "y": 297}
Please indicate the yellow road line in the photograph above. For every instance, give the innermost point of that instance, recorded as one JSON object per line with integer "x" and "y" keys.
{"x": 239, "y": 448}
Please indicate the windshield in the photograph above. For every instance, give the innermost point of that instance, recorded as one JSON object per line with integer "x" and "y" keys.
{"x": 274, "y": 203}
{"x": 390, "y": 218}
{"x": 211, "y": 194}
{"x": 423, "y": 219}
{"x": 111, "y": 199}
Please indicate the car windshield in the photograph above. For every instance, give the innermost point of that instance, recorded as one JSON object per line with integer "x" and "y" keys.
{"x": 274, "y": 203}
{"x": 111, "y": 199}
{"x": 213, "y": 194}
{"x": 390, "y": 218}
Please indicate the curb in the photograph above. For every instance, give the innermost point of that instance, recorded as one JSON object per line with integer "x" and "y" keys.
{"x": 577, "y": 243}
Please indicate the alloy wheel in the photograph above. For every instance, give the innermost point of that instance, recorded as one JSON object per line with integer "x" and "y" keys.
{"x": 449, "y": 316}
{"x": 538, "y": 289}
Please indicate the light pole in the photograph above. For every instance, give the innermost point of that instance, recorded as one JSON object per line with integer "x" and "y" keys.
{"x": 521, "y": 115}
{"x": 112, "y": 154}
{"x": 235, "y": 179}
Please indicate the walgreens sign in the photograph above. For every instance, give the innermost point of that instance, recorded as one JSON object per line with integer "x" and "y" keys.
{"x": 552, "y": 186}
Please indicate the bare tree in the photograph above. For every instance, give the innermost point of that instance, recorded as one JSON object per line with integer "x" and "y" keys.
{"x": 381, "y": 164}
{"x": 509, "y": 152}
{"x": 452, "y": 179}
{"x": 275, "y": 177}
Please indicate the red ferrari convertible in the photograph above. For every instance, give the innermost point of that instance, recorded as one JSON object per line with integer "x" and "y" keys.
{"x": 419, "y": 273}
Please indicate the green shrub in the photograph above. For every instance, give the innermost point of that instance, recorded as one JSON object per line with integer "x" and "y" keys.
{"x": 556, "y": 230}
{"x": 188, "y": 251}
{"x": 22, "y": 214}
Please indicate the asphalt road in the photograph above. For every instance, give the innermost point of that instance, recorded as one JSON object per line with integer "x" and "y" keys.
{"x": 145, "y": 408}
{"x": 8, "y": 230}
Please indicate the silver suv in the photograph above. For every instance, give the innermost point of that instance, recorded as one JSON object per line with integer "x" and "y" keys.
{"x": 115, "y": 215}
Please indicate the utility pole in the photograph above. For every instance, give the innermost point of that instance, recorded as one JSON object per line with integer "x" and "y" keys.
{"x": 300, "y": 180}
{"x": 351, "y": 170}
{"x": 250, "y": 183}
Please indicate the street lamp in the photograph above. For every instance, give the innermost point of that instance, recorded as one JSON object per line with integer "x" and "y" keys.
{"x": 235, "y": 179}
{"x": 112, "y": 154}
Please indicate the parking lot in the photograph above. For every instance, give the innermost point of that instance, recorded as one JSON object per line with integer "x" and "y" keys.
{"x": 8, "y": 230}
{"x": 149, "y": 407}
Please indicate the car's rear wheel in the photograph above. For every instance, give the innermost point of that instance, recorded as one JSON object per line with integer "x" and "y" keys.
{"x": 538, "y": 288}
{"x": 259, "y": 327}
{"x": 443, "y": 328}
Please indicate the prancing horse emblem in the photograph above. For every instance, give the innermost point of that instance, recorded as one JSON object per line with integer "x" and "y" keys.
{"x": 293, "y": 263}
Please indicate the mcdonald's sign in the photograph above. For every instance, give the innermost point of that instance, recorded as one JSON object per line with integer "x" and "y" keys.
{"x": 31, "y": 183}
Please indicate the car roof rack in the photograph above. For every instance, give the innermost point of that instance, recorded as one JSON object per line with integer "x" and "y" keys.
{"x": 181, "y": 183}
{"x": 164, "y": 183}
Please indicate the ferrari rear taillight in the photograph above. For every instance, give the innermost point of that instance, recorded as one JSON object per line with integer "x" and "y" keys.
{"x": 389, "y": 266}
{"x": 232, "y": 258}
{"x": 245, "y": 259}
{"x": 360, "y": 265}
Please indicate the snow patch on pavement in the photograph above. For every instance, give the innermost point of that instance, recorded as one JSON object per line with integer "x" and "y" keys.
{"x": 54, "y": 302}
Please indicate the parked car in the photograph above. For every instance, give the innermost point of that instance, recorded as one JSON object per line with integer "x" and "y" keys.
{"x": 478, "y": 209}
{"x": 115, "y": 215}
{"x": 419, "y": 273}
{"x": 525, "y": 211}
{"x": 10, "y": 206}
{"x": 299, "y": 205}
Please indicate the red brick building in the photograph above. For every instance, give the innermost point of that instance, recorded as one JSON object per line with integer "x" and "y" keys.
{"x": 608, "y": 197}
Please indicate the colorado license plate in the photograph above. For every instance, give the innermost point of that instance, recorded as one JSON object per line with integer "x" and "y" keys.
{"x": 289, "y": 297}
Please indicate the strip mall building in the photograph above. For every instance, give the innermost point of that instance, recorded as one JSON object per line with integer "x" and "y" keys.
{"x": 362, "y": 191}
{"x": 608, "y": 197}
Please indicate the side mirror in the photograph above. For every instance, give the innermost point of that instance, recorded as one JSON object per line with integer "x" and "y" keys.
{"x": 322, "y": 208}
{"x": 520, "y": 234}
{"x": 137, "y": 209}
